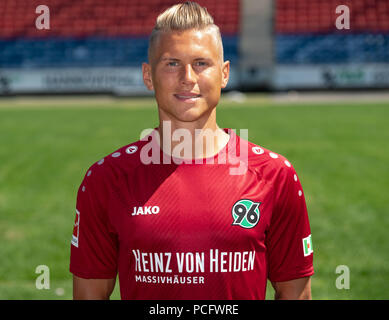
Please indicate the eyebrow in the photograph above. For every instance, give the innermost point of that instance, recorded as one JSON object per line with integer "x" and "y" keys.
{"x": 175, "y": 59}
{"x": 171, "y": 59}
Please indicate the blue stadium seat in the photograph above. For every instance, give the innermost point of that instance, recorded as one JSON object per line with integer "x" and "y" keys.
{"x": 332, "y": 48}
{"x": 85, "y": 52}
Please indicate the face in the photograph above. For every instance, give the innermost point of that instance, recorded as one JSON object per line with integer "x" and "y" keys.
{"x": 187, "y": 73}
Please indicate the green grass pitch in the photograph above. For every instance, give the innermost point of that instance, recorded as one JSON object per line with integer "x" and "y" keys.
{"x": 339, "y": 150}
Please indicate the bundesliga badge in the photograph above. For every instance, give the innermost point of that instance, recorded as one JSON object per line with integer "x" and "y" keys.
{"x": 246, "y": 213}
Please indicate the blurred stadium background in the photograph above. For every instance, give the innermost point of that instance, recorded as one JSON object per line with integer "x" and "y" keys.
{"x": 316, "y": 94}
{"x": 96, "y": 45}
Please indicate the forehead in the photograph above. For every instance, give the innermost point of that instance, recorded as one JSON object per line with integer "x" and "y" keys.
{"x": 187, "y": 43}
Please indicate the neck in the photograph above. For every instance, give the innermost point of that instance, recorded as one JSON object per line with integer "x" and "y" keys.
{"x": 194, "y": 139}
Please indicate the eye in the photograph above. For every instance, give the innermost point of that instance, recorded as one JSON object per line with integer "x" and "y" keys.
{"x": 172, "y": 64}
{"x": 201, "y": 64}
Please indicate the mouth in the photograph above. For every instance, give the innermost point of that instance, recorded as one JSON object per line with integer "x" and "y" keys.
{"x": 187, "y": 97}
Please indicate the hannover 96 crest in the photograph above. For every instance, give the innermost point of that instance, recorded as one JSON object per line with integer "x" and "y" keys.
{"x": 246, "y": 213}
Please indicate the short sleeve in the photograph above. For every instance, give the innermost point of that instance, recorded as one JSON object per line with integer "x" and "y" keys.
{"x": 288, "y": 241}
{"x": 94, "y": 245}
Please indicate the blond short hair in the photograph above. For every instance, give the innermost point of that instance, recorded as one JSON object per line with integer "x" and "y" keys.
{"x": 182, "y": 17}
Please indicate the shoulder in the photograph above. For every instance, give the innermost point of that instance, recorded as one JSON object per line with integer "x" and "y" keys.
{"x": 119, "y": 161}
{"x": 270, "y": 165}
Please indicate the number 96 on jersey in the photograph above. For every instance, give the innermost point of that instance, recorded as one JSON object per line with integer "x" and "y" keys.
{"x": 245, "y": 213}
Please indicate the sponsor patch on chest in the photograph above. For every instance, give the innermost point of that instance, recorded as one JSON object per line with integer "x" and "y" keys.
{"x": 145, "y": 210}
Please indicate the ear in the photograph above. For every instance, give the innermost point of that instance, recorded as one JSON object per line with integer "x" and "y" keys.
{"x": 225, "y": 73}
{"x": 147, "y": 78}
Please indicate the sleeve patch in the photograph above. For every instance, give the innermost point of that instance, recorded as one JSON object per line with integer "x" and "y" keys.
{"x": 76, "y": 230}
{"x": 307, "y": 246}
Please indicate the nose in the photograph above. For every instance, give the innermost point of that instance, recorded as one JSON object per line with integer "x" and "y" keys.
{"x": 189, "y": 75}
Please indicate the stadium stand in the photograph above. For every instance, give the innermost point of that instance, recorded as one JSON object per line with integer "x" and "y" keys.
{"x": 305, "y": 32}
{"x": 94, "y": 33}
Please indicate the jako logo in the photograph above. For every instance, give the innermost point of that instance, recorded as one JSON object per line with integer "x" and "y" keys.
{"x": 145, "y": 210}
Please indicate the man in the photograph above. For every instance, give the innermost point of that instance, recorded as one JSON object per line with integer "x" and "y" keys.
{"x": 184, "y": 225}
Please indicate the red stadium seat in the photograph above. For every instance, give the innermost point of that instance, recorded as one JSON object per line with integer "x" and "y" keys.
{"x": 298, "y": 15}
{"x": 130, "y": 17}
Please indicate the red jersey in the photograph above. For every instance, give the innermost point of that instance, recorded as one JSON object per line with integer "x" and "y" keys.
{"x": 192, "y": 231}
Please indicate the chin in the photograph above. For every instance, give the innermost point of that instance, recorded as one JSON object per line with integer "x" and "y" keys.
{"x": 190, "y": 116}
{"x": 193, "y": 113}
{"x": 185, "y": 112}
